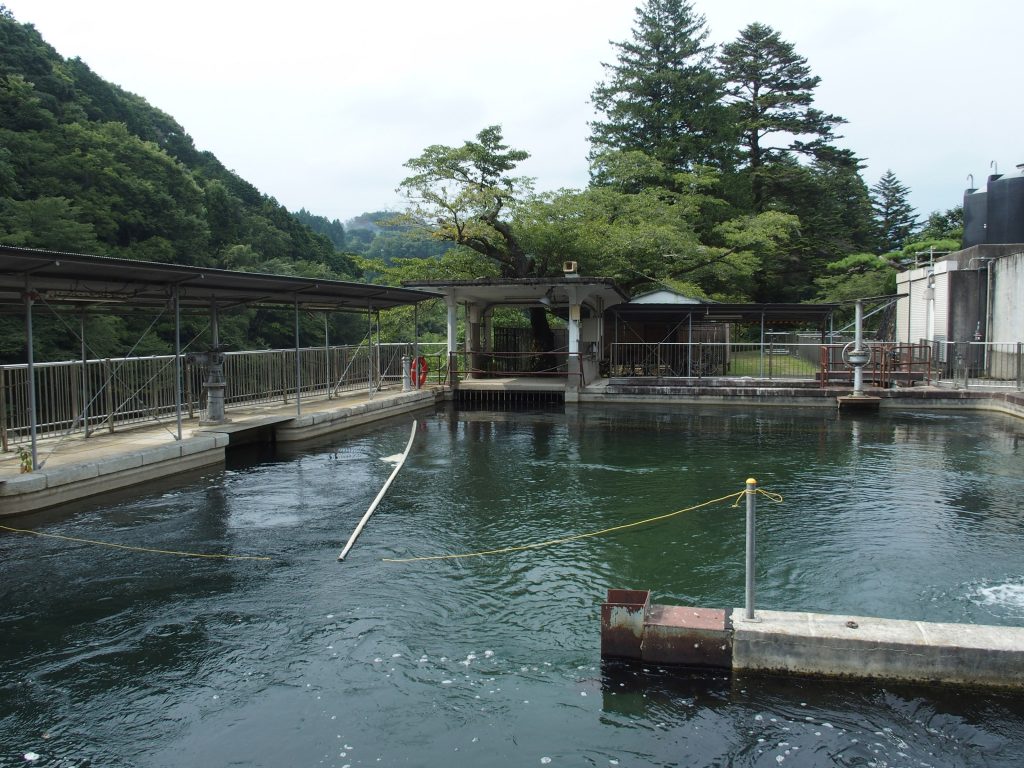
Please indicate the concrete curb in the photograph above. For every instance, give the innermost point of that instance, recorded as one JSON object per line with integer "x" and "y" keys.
{"x": 815, "y": 645}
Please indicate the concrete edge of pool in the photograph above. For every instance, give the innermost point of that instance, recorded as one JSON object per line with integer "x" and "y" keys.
{"x": 135, "y": 457}
{"x": 84, "y": 468}
{"x": 811, "y": 644}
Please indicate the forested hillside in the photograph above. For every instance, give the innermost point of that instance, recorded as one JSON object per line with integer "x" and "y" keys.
{"x": 86, "y": 166}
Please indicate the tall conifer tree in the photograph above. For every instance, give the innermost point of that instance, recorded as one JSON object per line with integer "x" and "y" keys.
{"x": 662, "y": 96}
{"x": 770, "y": 90}
{"x": 894, "y": 215}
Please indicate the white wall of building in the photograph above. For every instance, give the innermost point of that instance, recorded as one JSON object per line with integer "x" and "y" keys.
{"x": 924, "y": 313}
{"x": 1008, "y": 299}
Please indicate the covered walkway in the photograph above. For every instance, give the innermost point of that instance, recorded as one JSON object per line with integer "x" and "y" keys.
{"x": 81, "y": 282}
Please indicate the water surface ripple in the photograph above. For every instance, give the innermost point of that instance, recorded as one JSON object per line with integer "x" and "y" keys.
{"x": 114, "y": 658}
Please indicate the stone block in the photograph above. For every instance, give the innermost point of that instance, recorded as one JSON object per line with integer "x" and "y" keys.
{"x": 111, "y": 464}
{"x": 198, "y": 444}
{"x": 72, "y": 473}
{"x": 161, "y": 453}
{"x": 30, "y": 482}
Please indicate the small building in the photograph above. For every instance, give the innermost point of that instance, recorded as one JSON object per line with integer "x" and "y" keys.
{"x": 969, "y": 297}
{"x": 579, "y": 301}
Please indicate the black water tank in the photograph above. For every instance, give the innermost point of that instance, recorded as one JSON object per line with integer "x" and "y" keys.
{"x": 1006, "y": 208}
{"x": 975, "y": 217}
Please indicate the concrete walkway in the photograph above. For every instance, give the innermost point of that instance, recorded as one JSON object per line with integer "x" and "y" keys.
{"x": 810, "y": 644}
{"x": 75, "y": 466}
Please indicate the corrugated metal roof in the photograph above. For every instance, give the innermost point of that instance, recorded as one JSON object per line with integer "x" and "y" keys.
{"x": 80, "y": 279}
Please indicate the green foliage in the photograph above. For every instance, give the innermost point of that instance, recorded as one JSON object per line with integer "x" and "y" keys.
{"x": 770, "y": 92}
{"x": 86, "y": 166}
{"x": 663, "y": 96}
{"x": 894, "y": 215}
{"x": 121, "y": 178}
{"x": 831, "y": 201}
{"x": 948, "y": 225}
{"x": 856, "y": 276}
{"x": 332, "y": 230}
{"x": 917, "y": 250}
{"x": 466, "y": 195}
{"x": 46, "y": 222}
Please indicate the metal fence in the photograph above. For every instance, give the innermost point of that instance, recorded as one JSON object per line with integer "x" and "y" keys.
{"x": 778, "y": 359}
{"x": 772, "y": 360}
{"x": 107, "y": 394}
{"x": 979, "y": 364}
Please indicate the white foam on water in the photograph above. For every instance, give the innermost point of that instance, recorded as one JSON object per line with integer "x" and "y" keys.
{"x": 1009, "y": 595}
{"x": 31, "y": 757}
{"x": 392, "y": 459}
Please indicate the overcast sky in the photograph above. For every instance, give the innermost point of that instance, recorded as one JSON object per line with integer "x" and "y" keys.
{"x": 320, "y": 103}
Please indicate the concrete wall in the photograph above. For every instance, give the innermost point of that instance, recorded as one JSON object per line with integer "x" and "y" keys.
{"x": 1008, "y": 299}
{"x": 966, "y": 304}
{"x": 959, "y": 300}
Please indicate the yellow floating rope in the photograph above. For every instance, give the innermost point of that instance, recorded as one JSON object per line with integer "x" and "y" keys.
{"x": 135, "y": 549}
{"x": 775, "y": 497}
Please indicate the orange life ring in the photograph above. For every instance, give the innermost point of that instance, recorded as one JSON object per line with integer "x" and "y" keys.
{"x": 418, "y": 371}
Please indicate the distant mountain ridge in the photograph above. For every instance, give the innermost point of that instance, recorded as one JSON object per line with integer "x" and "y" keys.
{"x": 87, "y": 166}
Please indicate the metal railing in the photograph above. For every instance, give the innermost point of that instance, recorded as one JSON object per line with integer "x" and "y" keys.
{"x": 772, "y": 360}
{"x": 487, "y": 364}
{"x": 114, "y": 393}
{"x": 890, "y": 364}
{"x": 968, "y": 364}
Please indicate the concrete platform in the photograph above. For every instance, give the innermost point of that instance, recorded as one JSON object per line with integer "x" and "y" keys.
{"x": 76, "y": 467}
{"x": 858, "y": 402}
{"x": 514, "y": 384}
{"x": 811, "y": 644}
{"x": 882, "y": 649}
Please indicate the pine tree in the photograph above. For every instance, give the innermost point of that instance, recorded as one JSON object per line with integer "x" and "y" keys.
{"x": 662, "y": 96}
{"x": 895, "y": 217}
{"x": 770, "y": 90}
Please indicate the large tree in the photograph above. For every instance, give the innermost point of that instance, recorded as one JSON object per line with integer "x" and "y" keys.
{"x": 895, "y": 217}
{"x": 467, "y": 195}
{"x": 642, "y": 227}
{"x": 770, "y": 91}
{"x": 833, "y": 205}
{"x": 662, "y": 96}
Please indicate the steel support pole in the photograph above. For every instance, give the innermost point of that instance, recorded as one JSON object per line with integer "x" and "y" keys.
{"x": 369, "y": 352}
{"x": 762, "y": 346}
{"x": 1020, "y": 365}
{"x": 177, "y": 360}
{"x": 327, "y": 352}
{"x": 858, "y": 336}
{"x": 85, "y": 375}
{"x": 30, "y": 359}
{"x": 415, "y": 330}
{"x": 298, "y": 363}
{"x": 751, "y": 545}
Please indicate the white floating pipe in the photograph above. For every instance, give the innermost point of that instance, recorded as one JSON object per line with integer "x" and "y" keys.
{"x": 380, "y": 496}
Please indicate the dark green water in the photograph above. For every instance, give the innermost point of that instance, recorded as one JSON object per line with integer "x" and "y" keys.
{"x": 116, "y": 658}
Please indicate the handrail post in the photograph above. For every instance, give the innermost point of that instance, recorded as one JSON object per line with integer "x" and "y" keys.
{"x": 1020, "y": 366}
{"x": 108, "y": 394}
{"x": 3, "y": 412}
{"x": 751, "y": 494}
